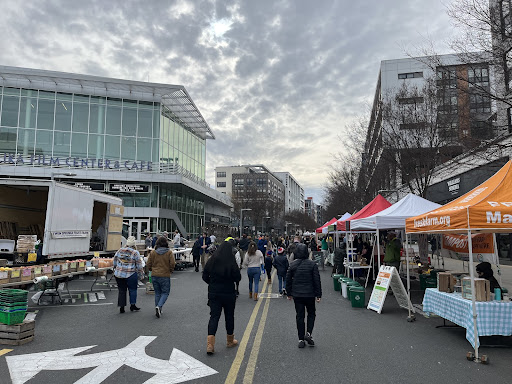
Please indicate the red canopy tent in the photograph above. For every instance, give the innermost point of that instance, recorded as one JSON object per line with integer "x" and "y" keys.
{"x": 330, "y": 222}
{"x": 375, "y": 206}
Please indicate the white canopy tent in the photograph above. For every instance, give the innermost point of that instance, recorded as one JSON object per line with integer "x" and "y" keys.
{"x": 394, "y": 218}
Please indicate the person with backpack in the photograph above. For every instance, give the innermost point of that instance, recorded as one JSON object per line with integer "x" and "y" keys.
{"x": 268, "y": 266}
{"x": 303, "y": 285}
{"x": 281, "y": 265}
{"x": 220, "y": 273}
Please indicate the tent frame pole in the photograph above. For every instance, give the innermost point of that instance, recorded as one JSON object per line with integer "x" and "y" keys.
{"x": 473, "y": 294}
{"x": 411, "y": 317}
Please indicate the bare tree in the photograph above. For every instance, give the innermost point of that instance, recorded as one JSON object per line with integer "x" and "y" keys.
{"x": 301, "y": 220}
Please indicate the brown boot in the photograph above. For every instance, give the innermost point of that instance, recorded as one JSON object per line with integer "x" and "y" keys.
{"x": 210, "y": 345}
{"x": 231, "y": 341}
{"x": 250, "y": 295}
{"x": 270, "y": 281}
{"x": 256, "y": 297}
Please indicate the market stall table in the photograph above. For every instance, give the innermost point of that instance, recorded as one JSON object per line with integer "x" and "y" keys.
{"x": 352, "y": 266}
{"x": 493, "y": 317}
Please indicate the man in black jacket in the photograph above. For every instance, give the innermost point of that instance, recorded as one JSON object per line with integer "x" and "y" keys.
{"x": 244, "y": 245}
{"x": 304, "y": 286}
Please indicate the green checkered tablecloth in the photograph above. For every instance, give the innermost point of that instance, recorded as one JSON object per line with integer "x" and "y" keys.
{"x": 493, "y": 317}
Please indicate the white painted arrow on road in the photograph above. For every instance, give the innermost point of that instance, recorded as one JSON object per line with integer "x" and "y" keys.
{"x": 179, "y": 368}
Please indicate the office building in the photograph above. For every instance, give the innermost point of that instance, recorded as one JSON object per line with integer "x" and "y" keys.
{"x": 144, "y": 142}
{"x": 293, "y": 192}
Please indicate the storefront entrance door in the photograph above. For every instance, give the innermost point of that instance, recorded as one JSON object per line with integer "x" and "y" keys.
{"x": 138, "y": 228}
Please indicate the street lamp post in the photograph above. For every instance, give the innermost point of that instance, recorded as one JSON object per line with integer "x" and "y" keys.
{"x": 241, "y": 213}
{"x": 262, "y": 221}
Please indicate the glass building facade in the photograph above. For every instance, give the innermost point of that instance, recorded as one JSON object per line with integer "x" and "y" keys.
{"x": 36, "y": 122}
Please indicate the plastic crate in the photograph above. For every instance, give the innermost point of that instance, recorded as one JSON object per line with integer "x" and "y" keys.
{"x": 21, "y": 307}
{"x": 9, "y": 294}
{"x": 13, "y": 304}
{"x": 11, "y": 318}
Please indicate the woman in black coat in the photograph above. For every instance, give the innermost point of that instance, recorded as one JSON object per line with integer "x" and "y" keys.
{"x": 221, "y": 273}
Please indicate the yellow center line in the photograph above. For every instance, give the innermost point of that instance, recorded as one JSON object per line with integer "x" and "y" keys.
{"x": 5, "y": 351}
{"x": 253, "y": 357}
{"x": 237, "y": 362}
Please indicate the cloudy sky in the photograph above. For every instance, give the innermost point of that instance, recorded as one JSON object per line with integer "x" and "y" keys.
{"x": 277, "y": 81}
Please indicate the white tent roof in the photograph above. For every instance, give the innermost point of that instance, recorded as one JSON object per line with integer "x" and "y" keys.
{"x": 394, "y": 217}
{"x": 345, "y": 216}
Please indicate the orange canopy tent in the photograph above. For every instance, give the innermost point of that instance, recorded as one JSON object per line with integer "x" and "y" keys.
{"x": 486, "y": 208}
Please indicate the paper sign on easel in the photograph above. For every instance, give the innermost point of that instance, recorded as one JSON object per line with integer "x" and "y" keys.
{"x": 388, "y": 277}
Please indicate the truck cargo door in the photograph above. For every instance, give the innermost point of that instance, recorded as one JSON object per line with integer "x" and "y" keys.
{"x": 115, "y": 227}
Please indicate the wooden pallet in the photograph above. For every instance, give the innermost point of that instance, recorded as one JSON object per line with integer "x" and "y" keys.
{"x": 18, "y": 334}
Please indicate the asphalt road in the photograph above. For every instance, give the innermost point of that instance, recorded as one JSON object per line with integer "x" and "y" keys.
{"x": 353, "y": 345}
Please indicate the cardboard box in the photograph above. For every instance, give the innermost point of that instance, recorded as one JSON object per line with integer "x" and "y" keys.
{"x": 64, "y": 268}
{"x": 47, "y": 270}
{"x": 4, "y": 277}
{"x": 38, "y": 271}
{"x": 81, "y": 266}
{"x": 72, "y": 266}
{"x": 15, "y": 275}
{"x": 482, "y": 287}
{"x": 445, "y": 282}
{"x": 27, "y": 274}
{"x": 56, "y": 269}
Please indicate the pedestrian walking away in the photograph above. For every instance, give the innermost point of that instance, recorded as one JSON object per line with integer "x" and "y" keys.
{"x": 253, "y": 262}
{"x": 161, "y": 263}
{"x": 281, "y": 265}
{"x": 204, "y": 242}
{"x": 268, "y": 266}
{"x": 196, "y": 253}
{"x": 127, "y": 271}
{"x": 221, "y": 273}
{"x": 244, "y": 245}
{"x": 304, "y": 287}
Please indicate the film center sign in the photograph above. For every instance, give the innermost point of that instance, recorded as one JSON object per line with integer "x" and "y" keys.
{"x": 75, "y": 162}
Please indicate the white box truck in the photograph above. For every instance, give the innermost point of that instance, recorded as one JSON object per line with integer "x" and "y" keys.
{"x": 70, "y": 221}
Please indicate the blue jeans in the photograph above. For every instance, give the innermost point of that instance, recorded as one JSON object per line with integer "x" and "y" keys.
{"x": 253, "y": 273}
{"x": 282, "y": 282}
{"x": 130, "y": 283}
{"x": 162, "y": 287}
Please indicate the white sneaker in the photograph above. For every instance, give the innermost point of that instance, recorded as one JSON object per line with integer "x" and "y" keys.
{"x": 157, "y": 312}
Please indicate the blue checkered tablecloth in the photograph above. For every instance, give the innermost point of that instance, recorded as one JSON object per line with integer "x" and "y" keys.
{"x": 493, "y": 317}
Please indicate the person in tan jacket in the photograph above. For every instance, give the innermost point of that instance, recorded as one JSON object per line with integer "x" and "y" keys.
{"x": 161, "y": 263}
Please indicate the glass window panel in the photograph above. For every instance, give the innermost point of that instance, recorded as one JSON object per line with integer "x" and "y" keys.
{"x": 45, "y": 112}
{"x": 144, "y": 149}
{"x": 164, "y": 153}
{"x": 129, "y": 103}
{"x": 26, "y": 140}
{"x": 47, "y": 95}
{"x": 79, "y": 145}
{"x": 156, "y": 122}
{"x": 96, "y": 146}
{"x": 63, "y": 115}
{"x": 145, "y": 104}
{"x": 155, "y": 154}
{"x": 61, "y": 144}
{"x": 28, "y": 110}
{"x": 11, "y": 91}
{"x": 64, "y": 96}
{"x": 80, "y": 117}
{"x": 44, "y": 140}
{"x": 128, "y": 148}
{"x": 112, "y": 147}
{"x": 145, "y": 123}
{"x": 98, "y": 100}
{"x": 82, "y": 98}
{"x": 113, "y": 120}
{"x": 10, "y": 110}
{"x": 129, "y": 122}
{"x": 97, "y": 119}
{"x": 114, "y": 102}
{"x": 7, "y": 140}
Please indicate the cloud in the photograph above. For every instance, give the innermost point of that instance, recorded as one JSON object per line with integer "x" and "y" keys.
{"x": 277, "y": 81}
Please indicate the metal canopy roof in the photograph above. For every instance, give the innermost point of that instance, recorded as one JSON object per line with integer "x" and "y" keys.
{"x": 174, "y": 97}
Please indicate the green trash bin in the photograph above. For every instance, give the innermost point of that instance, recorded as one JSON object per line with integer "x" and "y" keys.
{"x": 357, "y": 296}
{"x": 337, "y": 285}
{"x": 351, "y": 284}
